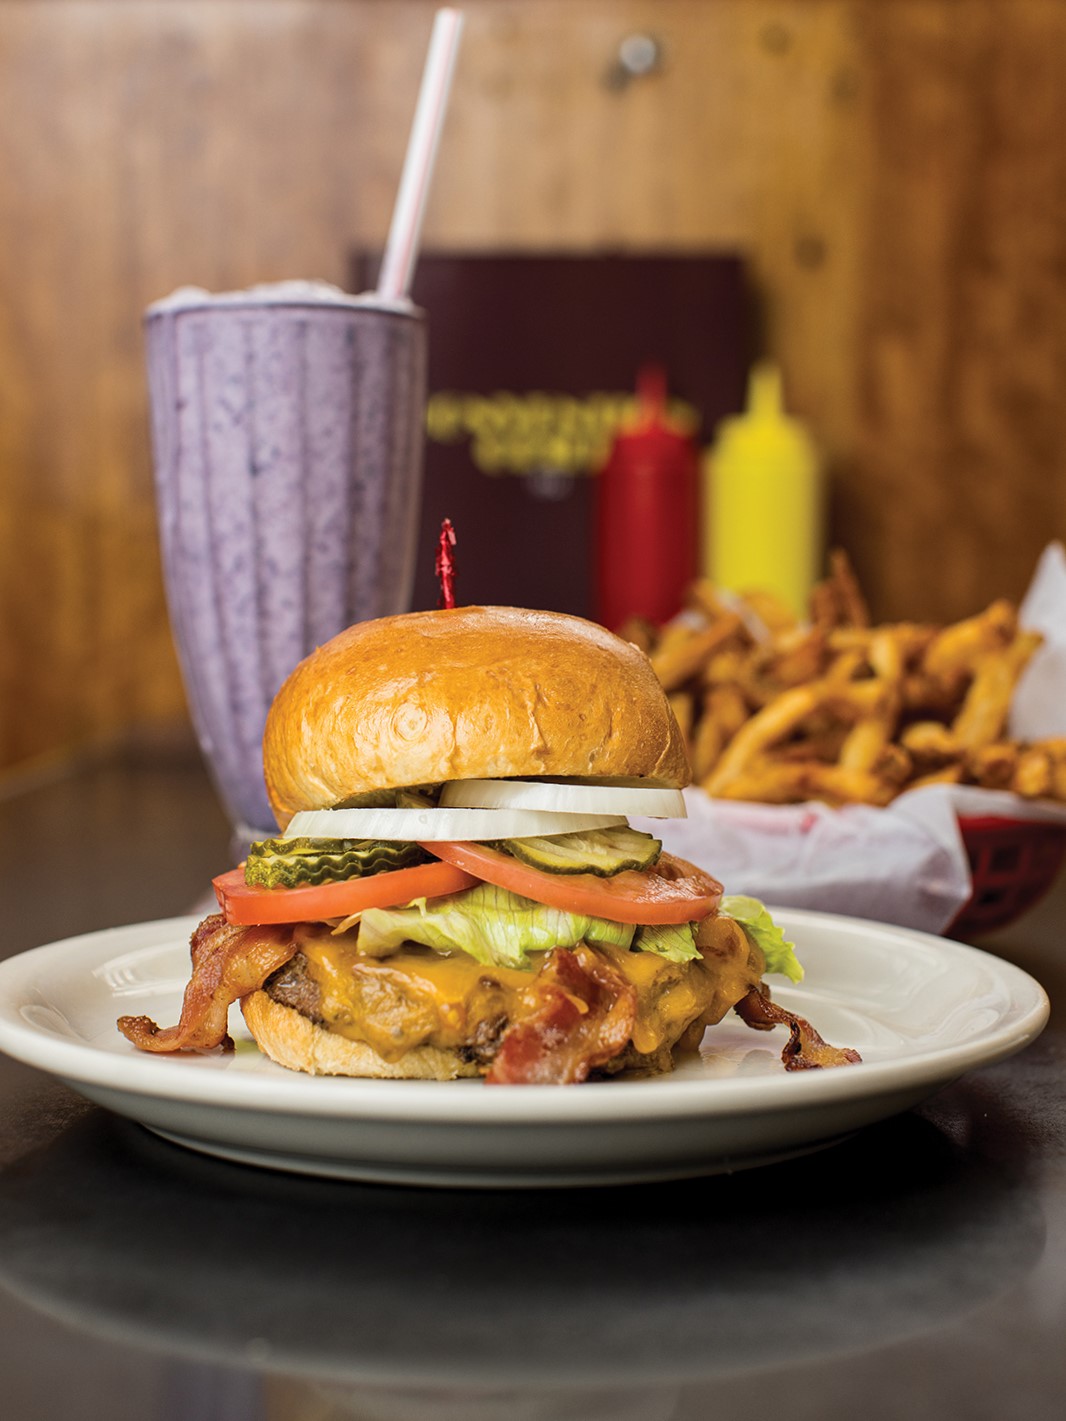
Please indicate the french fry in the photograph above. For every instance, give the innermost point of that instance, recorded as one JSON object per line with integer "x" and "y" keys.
{"x": 1033, "y": 777}
{"x": 702, "y": 596}
{"x": 770, "y": 611}
{"x": 821, "y": 741}
{"x": 726, "y": 705}
{"x": 992, "y": 766}
{"x": 801, "y": 657}
{"x": 915, "y": 638}
{"x": 640, "y": 632}
{"x": 838, "y": 601}
{"x": 948, "y": 775}
{"x": 886, "y": 654}
{"x": 769, "y": 726}
{"x": 676, "y": 634}
{"x": 785, "y": 714}
{"x": 783, "y": 782}
{"x": 708, "y": 742}
{"x": 887, "y": 651}
{"x": 679, "y": 660}
{"x": 934, "y": 698}
{"x": 960, "y": 647}
{"x": 867, "y": 740}
{"x": 894, "y": 766}
{"x": 729, "y": 667}
{"x": 930, "y": 743}
{"x": 846, "y": 665}
{"x": 724, "y": 712}
{"x": 984, "y": 711}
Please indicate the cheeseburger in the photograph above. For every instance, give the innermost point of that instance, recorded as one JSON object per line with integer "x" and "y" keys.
{"x": 455, "y": 889}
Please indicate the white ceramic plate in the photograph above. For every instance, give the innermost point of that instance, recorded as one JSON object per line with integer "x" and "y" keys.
{"x": 921, "y": 1010}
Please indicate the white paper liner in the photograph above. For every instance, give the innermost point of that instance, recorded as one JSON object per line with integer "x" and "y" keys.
{"x": 905, "y": 864}
{"x": 852, "y": 860}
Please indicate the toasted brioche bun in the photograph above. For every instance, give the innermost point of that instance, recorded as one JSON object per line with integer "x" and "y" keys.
{"x": 300, "y": 1044}
{"x": 466, "y": 693}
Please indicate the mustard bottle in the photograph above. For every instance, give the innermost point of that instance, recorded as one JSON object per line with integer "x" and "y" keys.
{"x": 763, "y": 514}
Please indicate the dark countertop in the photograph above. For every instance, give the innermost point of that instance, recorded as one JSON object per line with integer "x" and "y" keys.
{"x": 917, "y": 1270}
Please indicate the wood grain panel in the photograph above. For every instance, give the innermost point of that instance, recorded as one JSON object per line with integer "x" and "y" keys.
{"x": 958, "y": 476}
{"x": 894, "y": 172}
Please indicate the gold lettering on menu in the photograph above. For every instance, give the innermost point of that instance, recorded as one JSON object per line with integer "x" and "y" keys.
{"x": 537, "y": 432}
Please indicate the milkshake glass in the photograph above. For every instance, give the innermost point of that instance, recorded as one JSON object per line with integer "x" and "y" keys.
{"x": 287, "y": 433}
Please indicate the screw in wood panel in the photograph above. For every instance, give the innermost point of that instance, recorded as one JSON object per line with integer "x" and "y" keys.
{"x": 845, "y": 87}
{"x": 638, "y": 56}
{"x": 775, "y": 38}
{"x": 810, "y": 251}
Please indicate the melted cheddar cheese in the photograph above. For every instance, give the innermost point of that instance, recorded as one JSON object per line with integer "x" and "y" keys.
{"x": 418, "y": 996}
{"x": 412, "y": 998}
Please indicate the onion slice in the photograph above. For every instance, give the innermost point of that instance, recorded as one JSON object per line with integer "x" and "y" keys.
{"x": 411, "y": 825}
{"x": 649, "y": 801}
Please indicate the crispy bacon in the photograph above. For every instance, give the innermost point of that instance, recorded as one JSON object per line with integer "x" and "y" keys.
{"x": 804, "y": 1050}
{"x": 227, "y": 962}
{"x": 584, "y": 1017}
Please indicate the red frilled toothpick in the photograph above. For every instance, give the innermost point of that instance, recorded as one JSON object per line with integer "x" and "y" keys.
{"x": 445, "y": 564}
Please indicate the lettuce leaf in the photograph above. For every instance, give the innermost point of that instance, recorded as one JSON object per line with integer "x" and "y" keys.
{"x": 494, "y": 927}
{"x": 674, "y": 941}
{"x": 757, "y": 923}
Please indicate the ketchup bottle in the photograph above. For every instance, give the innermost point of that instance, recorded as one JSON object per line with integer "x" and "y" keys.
{"x": 647, "y": 513}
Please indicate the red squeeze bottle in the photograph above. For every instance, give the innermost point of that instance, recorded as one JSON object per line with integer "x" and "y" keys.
{"x": 647, "y": 514}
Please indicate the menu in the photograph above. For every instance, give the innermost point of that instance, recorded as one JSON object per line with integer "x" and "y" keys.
{"x": 533, "y": 362}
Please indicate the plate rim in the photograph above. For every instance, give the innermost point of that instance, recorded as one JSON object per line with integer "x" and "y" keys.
{"x": 449, "y": 1103}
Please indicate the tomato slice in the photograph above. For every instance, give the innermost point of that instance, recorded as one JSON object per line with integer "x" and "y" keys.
{"x": 673, "y": 892}
{"x": 243, "y": 903}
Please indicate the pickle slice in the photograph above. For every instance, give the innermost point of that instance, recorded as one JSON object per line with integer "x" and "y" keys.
{"x": 290, "y": 863}
{"x": 603, "y": 852}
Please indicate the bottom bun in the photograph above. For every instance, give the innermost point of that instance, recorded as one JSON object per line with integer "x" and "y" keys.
{"x": 295, "y": 1041}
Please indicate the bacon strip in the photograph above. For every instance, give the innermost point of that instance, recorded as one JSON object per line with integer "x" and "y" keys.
{"x": 227, "y": 962}
{"x": 584, "y": 1018}
{"x": 805, "y": 1050}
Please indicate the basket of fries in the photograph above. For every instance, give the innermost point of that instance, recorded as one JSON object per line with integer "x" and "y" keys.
{"x": 1013, "y": 863}
{"x": 834, "y": 709}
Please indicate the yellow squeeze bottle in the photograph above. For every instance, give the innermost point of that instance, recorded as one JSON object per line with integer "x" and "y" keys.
{"x": 763, "y": 512}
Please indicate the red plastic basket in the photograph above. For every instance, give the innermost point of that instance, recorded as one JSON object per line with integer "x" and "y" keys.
{"x": 1013, "y": 863}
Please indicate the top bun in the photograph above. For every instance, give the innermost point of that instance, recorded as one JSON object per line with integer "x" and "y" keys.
{"x": 466, "y": 693}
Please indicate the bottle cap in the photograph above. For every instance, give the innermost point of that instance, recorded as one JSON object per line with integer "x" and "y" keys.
{"x": 764, "y": 433}
{"x": 650, "y": 427}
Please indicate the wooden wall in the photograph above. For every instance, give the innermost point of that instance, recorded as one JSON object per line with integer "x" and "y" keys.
{"x": 895, "y": 170}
